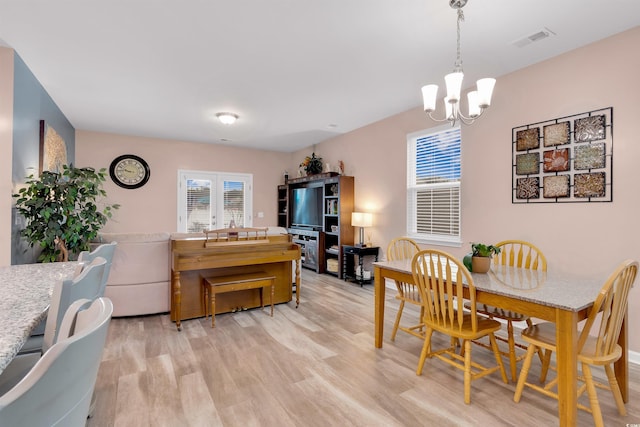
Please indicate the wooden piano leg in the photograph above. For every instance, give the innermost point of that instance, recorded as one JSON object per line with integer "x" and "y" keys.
{"x": 177, "y": 299}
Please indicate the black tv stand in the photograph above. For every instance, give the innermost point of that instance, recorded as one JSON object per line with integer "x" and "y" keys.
{"x": 312, "y": 247}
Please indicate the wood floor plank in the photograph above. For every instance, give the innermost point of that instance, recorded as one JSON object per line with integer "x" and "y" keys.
{"x": 315, "y": 365}
{"x": 198, "y": 407}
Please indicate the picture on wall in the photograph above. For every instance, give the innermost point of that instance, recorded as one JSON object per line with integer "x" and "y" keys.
{"x": 564, "y": 160}
{"x": 53, "y": 149}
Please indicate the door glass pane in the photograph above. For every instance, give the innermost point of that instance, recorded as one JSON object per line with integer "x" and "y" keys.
{"x": 234, "y": 203}
{"x": 199, "y": 209}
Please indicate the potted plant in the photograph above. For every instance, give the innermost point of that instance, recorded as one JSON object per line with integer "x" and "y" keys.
{"x": 61, "y": 211}
{"x": 481, "y": 256}
{"x": 312, "y": 164}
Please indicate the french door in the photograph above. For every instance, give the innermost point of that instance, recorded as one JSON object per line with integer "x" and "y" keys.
{"x": 210, "y": 200}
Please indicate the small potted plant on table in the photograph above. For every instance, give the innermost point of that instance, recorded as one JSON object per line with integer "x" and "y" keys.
{"x": 481, "y": 256}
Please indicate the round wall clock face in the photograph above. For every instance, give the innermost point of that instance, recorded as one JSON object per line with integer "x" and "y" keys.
{"x": 129, "y": 171}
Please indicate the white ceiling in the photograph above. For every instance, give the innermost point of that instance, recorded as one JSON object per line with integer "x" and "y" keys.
{"x": 296, "y": 72}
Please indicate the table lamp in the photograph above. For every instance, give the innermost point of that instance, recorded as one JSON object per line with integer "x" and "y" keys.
{"x": 362, "y": 220}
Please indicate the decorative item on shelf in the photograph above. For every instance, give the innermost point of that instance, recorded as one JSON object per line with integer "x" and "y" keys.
{"x": 479, "y": 100}
{"x": 334, "y": 190}
{"x": 481, "y": 256}
{"x": 286, "y": 177}
{"x": 312, "y": 164}
{"x": 341, "y": 167}
{"x": 334, "y": 228}
{"x": 362, "y": 220}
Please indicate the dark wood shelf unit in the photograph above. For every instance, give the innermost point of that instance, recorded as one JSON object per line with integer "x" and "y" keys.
{"x": 336, "y": 230}
{"x": 338, "y": 206}
{"x": 283, "y": 206}
{"x": 311, "y": 247}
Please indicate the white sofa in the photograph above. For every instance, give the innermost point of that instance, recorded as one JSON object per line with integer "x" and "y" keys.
{"x": 139, "y": 281}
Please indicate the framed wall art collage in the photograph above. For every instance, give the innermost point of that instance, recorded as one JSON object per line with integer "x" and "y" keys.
{"x": 564, "y": 160}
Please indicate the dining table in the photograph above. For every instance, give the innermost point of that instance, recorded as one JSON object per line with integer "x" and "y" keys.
{"x": 553, "y": 296}
{"x": 25, "y": 295}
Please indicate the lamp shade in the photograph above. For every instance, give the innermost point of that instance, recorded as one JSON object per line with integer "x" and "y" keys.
{"x": 474, "y": 107}
{"x": 429, "y": 94}
{"x": 485, "y": 90}
{"x": 361, "y": 219}
{"x": 454, "y": 85}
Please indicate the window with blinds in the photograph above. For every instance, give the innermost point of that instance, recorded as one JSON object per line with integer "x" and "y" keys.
{"x": 210, "y": 200}
{"x": 433, "y": 186}
{"x": 198, "y": 210}
{"x": 234, "y": 203}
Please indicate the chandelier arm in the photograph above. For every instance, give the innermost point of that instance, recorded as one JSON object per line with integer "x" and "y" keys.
{"x": 435, "y": 119}
{"x": 469, "y": 120}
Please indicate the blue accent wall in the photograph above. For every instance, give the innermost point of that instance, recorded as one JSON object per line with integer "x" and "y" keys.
{"x": 32, "y": 103}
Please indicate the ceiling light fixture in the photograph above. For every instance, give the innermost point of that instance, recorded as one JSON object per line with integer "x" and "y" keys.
{"x": 227, "y": 118}
{"x": 479, "y": 99}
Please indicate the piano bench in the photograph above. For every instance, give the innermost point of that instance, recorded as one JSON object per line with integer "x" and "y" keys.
{"x": 236, "y": 282}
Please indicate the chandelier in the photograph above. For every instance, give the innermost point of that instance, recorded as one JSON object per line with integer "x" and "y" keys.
{"x": 479, "y": 100}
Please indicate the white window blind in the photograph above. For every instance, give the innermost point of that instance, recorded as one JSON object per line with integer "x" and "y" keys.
{"x": 433, "y": 186}
{"x": 234, "y": 203}
{"x": 198, "y": 213}
{"x": 209, "y": 200}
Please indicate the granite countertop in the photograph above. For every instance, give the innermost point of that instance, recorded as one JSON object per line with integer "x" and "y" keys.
{"x": 550, "y": 288}
{"x": 25, "y": 295}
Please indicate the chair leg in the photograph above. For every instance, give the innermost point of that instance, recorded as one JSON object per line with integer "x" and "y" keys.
{"x": 593, "y": 396}
{"x": 512, "y": 351}
{"x": 615, "y": 389}
{"x": 540, "y": 355}
{"x": 496, "y": 352}
{"x": 425, "y": 350}
{"x": 546, "y": 360}
{"x": 396, "y": 325}
{"x": 526, "y": 364}
{"x": 467, "y": 371}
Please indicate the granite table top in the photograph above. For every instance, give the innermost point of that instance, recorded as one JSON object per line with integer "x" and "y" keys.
{"x": 25, "y": 295}
{"x": 549, "y": 288}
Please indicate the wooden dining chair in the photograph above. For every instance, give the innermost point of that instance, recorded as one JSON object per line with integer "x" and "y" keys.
{"x": 521, "y": 254}
{"x": 405, "y": 248}
{"x": 601, "y": 349}
{"x": 58, "y": 389}
{"x": 442, "y": 281}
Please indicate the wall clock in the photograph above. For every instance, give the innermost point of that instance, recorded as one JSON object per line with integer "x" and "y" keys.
{"x": 129, "y": 171}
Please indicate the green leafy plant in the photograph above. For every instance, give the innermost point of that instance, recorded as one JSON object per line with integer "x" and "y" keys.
{"x": 480, "y": 249}
{"x": 61, "y": 211}
{"x": 312, "y": 164}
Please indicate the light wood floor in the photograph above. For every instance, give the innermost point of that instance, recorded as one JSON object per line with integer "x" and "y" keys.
{"x": 311, "y": 366}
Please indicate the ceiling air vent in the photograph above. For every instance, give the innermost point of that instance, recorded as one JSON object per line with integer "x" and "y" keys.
{"x": 535, "y": 37}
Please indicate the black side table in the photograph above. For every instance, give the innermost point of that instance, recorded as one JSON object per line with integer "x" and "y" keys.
{"x": 349, "y": 270}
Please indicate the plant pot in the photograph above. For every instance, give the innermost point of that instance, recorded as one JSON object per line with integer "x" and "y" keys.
{"x": 480, "y": 264}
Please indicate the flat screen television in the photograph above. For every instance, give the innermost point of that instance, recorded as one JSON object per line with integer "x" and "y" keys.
{"x": 307, "y": 207}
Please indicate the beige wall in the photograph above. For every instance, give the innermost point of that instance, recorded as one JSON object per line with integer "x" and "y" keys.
{"x": 6, "y": 148}
{"x": 585, "y": 238}
{"x": 154, "y": 206}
